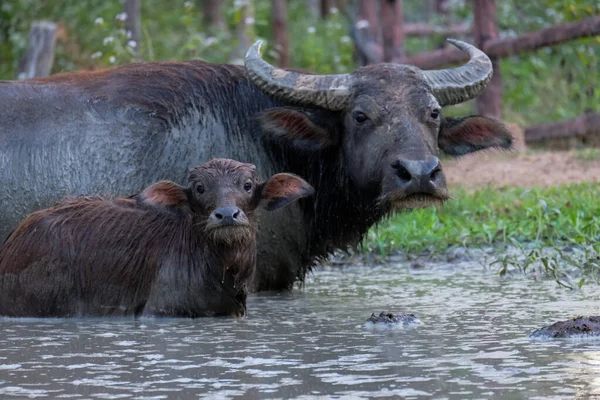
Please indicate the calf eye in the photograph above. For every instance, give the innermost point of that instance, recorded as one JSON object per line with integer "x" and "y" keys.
{"x": 248, "y": 186}
{"x": 435, "y": 114}
{"x": 359, "y": 117}
{"x": 200, "y": 189}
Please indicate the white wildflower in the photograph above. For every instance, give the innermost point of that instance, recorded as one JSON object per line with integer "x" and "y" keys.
{"x": 128, "y": 34}
{"x": 210, "y": 41}
{"x": 121, "y": 16}
{"x": 188, "y": 4}
{"x": 333, "y": 10}
{"x": 362, "y": 24}
{"x": 132, "y": 43}
{"x": 108, "y": 39}
{"x": 345, "y": 39}
{"x": 99, "y": 21}
{"x": 311, "y": 29}
{"x": 112, "y": 59}
{"x": 95, "y": 55}
{"x": 249, "y": 21}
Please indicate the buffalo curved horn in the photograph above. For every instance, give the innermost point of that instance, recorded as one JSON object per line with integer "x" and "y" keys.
{"x": 456, "y": 85}
{"x": 327, "y": 91}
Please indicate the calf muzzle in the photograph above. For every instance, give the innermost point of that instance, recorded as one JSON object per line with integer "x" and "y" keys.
{"x": 228, "y": 215}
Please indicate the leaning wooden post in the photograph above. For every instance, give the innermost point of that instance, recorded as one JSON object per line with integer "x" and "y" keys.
{"x": 367, "y": 33}
{"x": 280, "y": 32}
{"x": 133, "y": 23}
{"x": 485, "y": 28}
{"x": 392, "y": 18}
{"x": 39, "y": 57}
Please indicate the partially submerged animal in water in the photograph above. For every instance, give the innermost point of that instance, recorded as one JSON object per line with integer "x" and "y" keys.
{"x": 169, "y": 251}
{"x": 578, "y": 327}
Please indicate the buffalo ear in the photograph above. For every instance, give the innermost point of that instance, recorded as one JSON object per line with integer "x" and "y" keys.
{"x": 281, "y": 190}
{"x": 464, "y": 135}
{"x": 164, "y": 194}
{"x": 297, "y": 127}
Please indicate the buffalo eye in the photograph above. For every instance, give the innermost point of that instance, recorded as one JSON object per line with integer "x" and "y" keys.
{"x": 359, "y": 117}
{"x": 200, "y": 188}
{"x": 248, "y": 186}
{"x": 435, "y": 114}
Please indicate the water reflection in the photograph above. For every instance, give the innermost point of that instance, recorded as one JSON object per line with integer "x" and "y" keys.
{"x": 312, "y": 344}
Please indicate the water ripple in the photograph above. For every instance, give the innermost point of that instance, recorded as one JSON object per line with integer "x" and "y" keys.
{"x": 313, "y": 344}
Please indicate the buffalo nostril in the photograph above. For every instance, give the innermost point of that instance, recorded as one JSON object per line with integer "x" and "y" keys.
{"x": 227, "y": 214}
{"x": 402, "y": 172}
{"x": 434, "y": 174}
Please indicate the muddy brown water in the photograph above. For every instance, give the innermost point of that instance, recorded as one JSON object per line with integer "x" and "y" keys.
{"x": 312, "y": 344}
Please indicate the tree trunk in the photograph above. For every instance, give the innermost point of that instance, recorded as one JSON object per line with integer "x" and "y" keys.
{"x": 367, "y": 34}
{"x": 280, "y": 32}
{"x": 133, "y": 23}
{"x": 214, "y": 20}
{"x": 392, "y": 18}
{"x": 39, "y": 57}
{"x": 244, "y": 33}
{"x": 325, "y": 7}
{"x": 485, "y": 28}
{"x": 441, "y": 7}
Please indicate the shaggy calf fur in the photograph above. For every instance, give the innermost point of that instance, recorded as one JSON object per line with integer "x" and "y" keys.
{"x": 169, "y": 251}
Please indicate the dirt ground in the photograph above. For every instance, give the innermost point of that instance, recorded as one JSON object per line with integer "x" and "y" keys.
{"x": 523, "y": 169}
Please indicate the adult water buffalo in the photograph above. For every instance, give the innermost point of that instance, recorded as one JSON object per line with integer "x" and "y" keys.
{"x": 366, "y": 141}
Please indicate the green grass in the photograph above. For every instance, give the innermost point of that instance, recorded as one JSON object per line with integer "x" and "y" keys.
{"x": 527, "y": 219}
{"x": 588, "y": 154}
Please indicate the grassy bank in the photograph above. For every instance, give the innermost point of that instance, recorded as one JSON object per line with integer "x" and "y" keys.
{"x": 524, "y": 218}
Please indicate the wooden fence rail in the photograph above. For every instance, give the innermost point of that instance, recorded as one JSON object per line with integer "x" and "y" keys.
{"x": 504, "y": 47}
{"x": 578, "y": 127}
{"x": 420, "y": 29}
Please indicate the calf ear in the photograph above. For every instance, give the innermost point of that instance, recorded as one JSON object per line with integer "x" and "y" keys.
{"x": 164, "y": 194}
{"x": 297, "y": 127}
{"x": 281, "y": 190}
{"x": 459, "y": 136}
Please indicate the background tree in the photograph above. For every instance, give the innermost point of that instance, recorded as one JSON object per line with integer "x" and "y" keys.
{"x": 280, "y": 32}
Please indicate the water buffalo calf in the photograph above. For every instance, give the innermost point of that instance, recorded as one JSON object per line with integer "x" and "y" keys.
{"x": 168, "y": 251}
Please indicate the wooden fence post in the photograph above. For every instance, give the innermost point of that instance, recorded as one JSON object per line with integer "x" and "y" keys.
{"x": 39, "y": 57}
{"x": 280, "y": 32}
{"x": 392, "y": 19}
{"x": 485, "y": 27}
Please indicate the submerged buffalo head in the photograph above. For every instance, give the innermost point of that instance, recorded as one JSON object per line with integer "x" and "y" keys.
{"x": 385, "y": 119}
